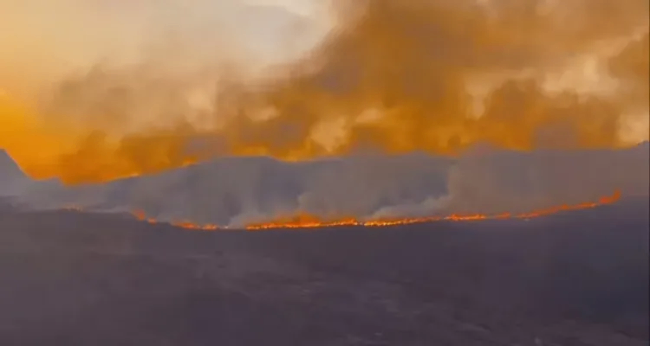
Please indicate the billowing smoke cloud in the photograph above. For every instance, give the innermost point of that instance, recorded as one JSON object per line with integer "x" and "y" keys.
{"x": 98, "y": 77}
{"x": 392, "y": 76}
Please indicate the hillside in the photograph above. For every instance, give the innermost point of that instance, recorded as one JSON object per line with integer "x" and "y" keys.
{"x": 93, "y": 279}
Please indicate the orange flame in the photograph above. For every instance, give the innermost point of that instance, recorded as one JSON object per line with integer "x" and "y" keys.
{"x": 191, "y": 225}
{"x": 309, "y": 221}
{"x": 142, "y": 216}
{"x": 305, "y": 221}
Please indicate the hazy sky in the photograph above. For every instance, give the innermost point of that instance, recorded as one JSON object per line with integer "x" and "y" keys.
{"x": 136, "y": 82}
{"x": 42, "y": 37}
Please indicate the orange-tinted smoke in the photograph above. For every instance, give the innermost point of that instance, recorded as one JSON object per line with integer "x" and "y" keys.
{"x": 394, "y": 76}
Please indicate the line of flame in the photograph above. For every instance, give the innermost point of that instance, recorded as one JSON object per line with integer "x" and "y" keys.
{"x": 308, "y": 221}
{"x": 305, "y": 221}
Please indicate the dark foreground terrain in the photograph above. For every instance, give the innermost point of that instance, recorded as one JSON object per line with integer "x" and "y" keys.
{"x": 80, "y": 279}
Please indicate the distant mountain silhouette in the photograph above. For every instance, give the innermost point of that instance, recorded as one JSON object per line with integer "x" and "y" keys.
{"x": 12, "y": 178}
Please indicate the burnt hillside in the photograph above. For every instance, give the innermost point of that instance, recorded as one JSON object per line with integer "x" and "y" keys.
{"x": 89, "y": 279}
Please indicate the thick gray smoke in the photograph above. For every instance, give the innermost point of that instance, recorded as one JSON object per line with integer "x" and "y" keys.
{"x": 238, "y": 191}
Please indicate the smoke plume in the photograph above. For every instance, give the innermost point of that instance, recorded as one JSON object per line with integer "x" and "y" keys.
{"x": 390, "y": 76}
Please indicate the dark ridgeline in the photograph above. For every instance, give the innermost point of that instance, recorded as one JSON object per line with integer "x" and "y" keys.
{"x": 86, "y": 279}
{"x": 12, "y": 177}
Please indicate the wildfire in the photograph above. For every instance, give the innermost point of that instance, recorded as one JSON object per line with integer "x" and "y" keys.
{"x": 305, "y": 221}
{"x": 309, "y": 221}
{"x": 142, "y": 216}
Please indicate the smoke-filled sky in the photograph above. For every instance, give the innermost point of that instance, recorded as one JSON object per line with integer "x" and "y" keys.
{"x": 95, "y": 90}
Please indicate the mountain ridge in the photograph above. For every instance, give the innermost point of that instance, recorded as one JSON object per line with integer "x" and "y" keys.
{"x": 238, "y": 190}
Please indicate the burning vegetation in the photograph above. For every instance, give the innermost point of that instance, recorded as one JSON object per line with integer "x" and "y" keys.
{"x": 309, "y": 221}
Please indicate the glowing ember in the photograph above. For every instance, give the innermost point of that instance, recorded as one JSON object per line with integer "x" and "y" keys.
{"x": 142, "y": 216}
{"x": 190, "y": 225}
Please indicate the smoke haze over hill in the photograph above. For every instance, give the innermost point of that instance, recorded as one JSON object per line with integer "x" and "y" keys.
{"x": 175, "y": 85}
{"x": 240, "y": 191}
